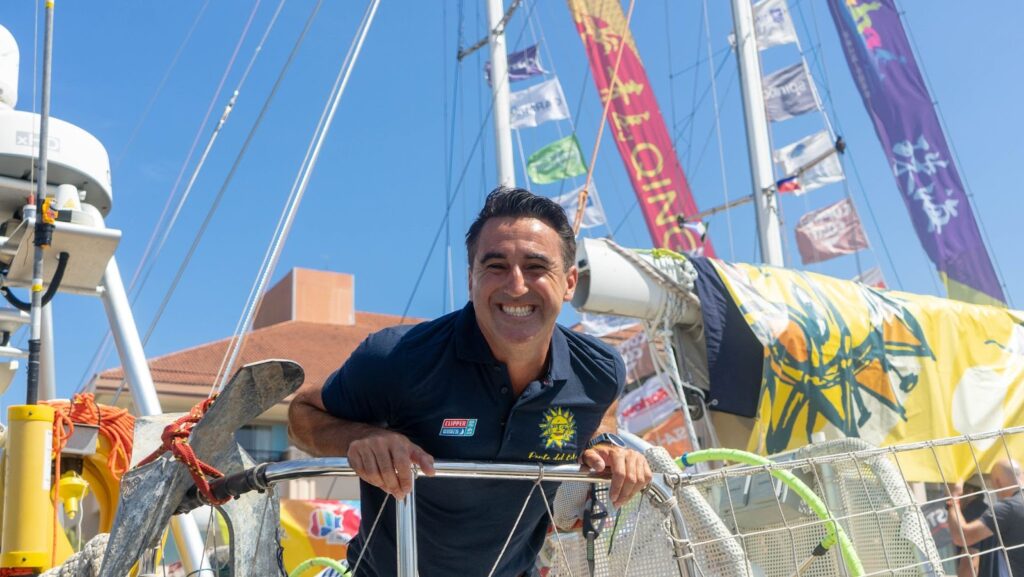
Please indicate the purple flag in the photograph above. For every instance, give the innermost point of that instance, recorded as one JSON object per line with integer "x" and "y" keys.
{"x": 898, "y": 102}
{"x": 521, "y": 65}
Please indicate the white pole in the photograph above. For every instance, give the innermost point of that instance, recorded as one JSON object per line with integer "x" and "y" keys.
{"x": 500, "y": 90}
{"x": 136, "y": 371}
{"x": 758, "y": 141}
{"x": 47, "y": 365}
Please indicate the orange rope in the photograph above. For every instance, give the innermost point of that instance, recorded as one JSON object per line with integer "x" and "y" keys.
{"x": 582, "y": 198}
{"x": 117, "y": 425}
{"x": 175, "y": 439}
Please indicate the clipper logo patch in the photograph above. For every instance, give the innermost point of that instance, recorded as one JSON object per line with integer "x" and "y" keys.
{"x": 558, "y": 429}
{"x": 458, "y": 428}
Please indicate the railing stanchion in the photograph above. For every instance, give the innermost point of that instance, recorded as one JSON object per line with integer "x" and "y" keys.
{"x": 405, "y": 511}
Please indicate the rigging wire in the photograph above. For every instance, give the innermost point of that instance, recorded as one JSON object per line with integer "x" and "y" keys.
{"x": 956, "y": 155}
{"x": 693, "y": 95}
{"x": 455, "y": 195}
{"x": 230, "y": 176}
{"x": 148, "y": 260}
{"x": 820, "y": 61}
{"x": 160, "y": 86}
{"x": 532, "y": 19}
{"x": 688, "y": 121}
{"x": 718, "y": 131}
{"x": 299, "y": 189}
{"x": 151, "y": 262}
{"x": 582, "y": 202}
{"x": 830, "y": 129}
{"x": 192, "y": 149}
{"x": 448, "y": 138}
{"x": 668, "y": 46}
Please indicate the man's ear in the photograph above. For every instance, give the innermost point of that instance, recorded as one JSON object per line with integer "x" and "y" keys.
{"x": 571, "y": 278}
{"x": 469, "y": 279}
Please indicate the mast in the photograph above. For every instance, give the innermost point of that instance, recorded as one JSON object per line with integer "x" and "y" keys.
{"x": 500, "y": 91}
{"x": 758, "y": 142}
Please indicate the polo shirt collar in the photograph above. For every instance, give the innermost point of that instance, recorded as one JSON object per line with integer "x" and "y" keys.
{"x": 470, "y": 345}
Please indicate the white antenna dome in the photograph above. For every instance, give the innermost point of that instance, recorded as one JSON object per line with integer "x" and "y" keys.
{"x": 8, "y": 69}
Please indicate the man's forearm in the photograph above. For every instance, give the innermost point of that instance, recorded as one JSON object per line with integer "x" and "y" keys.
{"x": 321, "y": 434}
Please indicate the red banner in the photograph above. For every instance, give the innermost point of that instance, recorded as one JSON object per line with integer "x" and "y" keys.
{"x": 638, "y": 127}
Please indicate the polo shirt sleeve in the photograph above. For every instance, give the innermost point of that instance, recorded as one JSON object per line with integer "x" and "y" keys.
{"x": 1001, "y": 513}
{"x": 620, "y": 375}
{"x": 360, "y": 390}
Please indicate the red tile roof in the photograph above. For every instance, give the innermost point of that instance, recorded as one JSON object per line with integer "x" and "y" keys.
{"x": 319, "y": 348}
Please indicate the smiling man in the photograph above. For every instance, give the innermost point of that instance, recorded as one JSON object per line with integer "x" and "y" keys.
{"x": 497, "y": 381}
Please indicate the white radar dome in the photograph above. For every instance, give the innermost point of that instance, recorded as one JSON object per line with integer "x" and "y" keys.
{"x": 75, "y": 157}
{"x": 8, "y": 69}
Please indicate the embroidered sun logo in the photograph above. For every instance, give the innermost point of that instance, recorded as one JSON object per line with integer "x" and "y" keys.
{"x": 558, "y": 428}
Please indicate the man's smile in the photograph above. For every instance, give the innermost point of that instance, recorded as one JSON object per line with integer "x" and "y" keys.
{"x": 517, "y": 310}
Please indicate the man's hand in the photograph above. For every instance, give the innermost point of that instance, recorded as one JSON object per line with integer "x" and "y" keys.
{"x": 956, "y": 490}
{"x": 628, "y": 469}
{"x": 384, "y": 459}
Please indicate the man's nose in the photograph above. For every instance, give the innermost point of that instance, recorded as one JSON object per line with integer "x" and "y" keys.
{"x": 515, "y": 284}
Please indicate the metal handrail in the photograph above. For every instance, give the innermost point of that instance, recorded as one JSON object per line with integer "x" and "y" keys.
{"x": 265, "y": 475}
{"x": 274, "y": 473}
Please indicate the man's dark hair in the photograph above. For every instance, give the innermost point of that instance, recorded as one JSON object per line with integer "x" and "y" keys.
{"x": 521, "y": 203}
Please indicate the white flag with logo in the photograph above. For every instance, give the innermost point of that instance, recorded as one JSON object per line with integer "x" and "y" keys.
{"x": 538, "y": 104}
{"x": 592, "y": 216}
{"x": 772, "y": 24}
{"x": 813, "y": 160}
{"x": 789, "y": 92}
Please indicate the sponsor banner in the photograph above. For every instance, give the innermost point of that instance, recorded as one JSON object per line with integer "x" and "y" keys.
{"x": 538, "y": 104}
{"x": 846, "y": 360}
{"x": 647, "y": 406}
{"x": 601, "y": 325}
{"x": 789, "y": 92}
{"x": 316, "y": 528}
{"x": 636, "y": 354}
{"x": 521, "y": 65}
{"x": 592, "y": 215}
{"x": 898, "y": 102}
{"x": 872, "y": 278}
{"x": 810, "y": 162}
{"x": 772, "y": 24}
{"x": 830, "y": 232}
{"x": 671, "y": 434}
{"x": 556, "y": 161}
{"x": 637, "y": 125}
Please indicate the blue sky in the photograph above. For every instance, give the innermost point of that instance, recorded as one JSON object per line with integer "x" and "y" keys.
{"x": 378, "y": 195}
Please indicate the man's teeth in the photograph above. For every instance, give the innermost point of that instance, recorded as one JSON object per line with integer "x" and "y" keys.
{"x": 520, "y": 311}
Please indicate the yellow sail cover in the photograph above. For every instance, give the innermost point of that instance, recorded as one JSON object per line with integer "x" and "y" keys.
{"x": 848, "y": 360}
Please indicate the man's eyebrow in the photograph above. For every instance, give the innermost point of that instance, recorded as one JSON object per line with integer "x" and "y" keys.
{"x": 539, "y": 256}
{"x": 492, "y": 254}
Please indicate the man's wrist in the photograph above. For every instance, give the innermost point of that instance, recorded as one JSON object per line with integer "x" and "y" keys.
{"x": 607, "y": 439}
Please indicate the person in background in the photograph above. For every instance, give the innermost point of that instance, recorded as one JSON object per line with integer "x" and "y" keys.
{"x": 1003, "y": 521}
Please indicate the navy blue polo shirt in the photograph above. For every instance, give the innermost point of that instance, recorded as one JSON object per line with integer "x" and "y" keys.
{"x": 438, "y": 384}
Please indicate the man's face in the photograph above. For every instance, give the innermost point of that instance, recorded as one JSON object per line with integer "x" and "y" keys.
{"x": 518, "y": 282}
